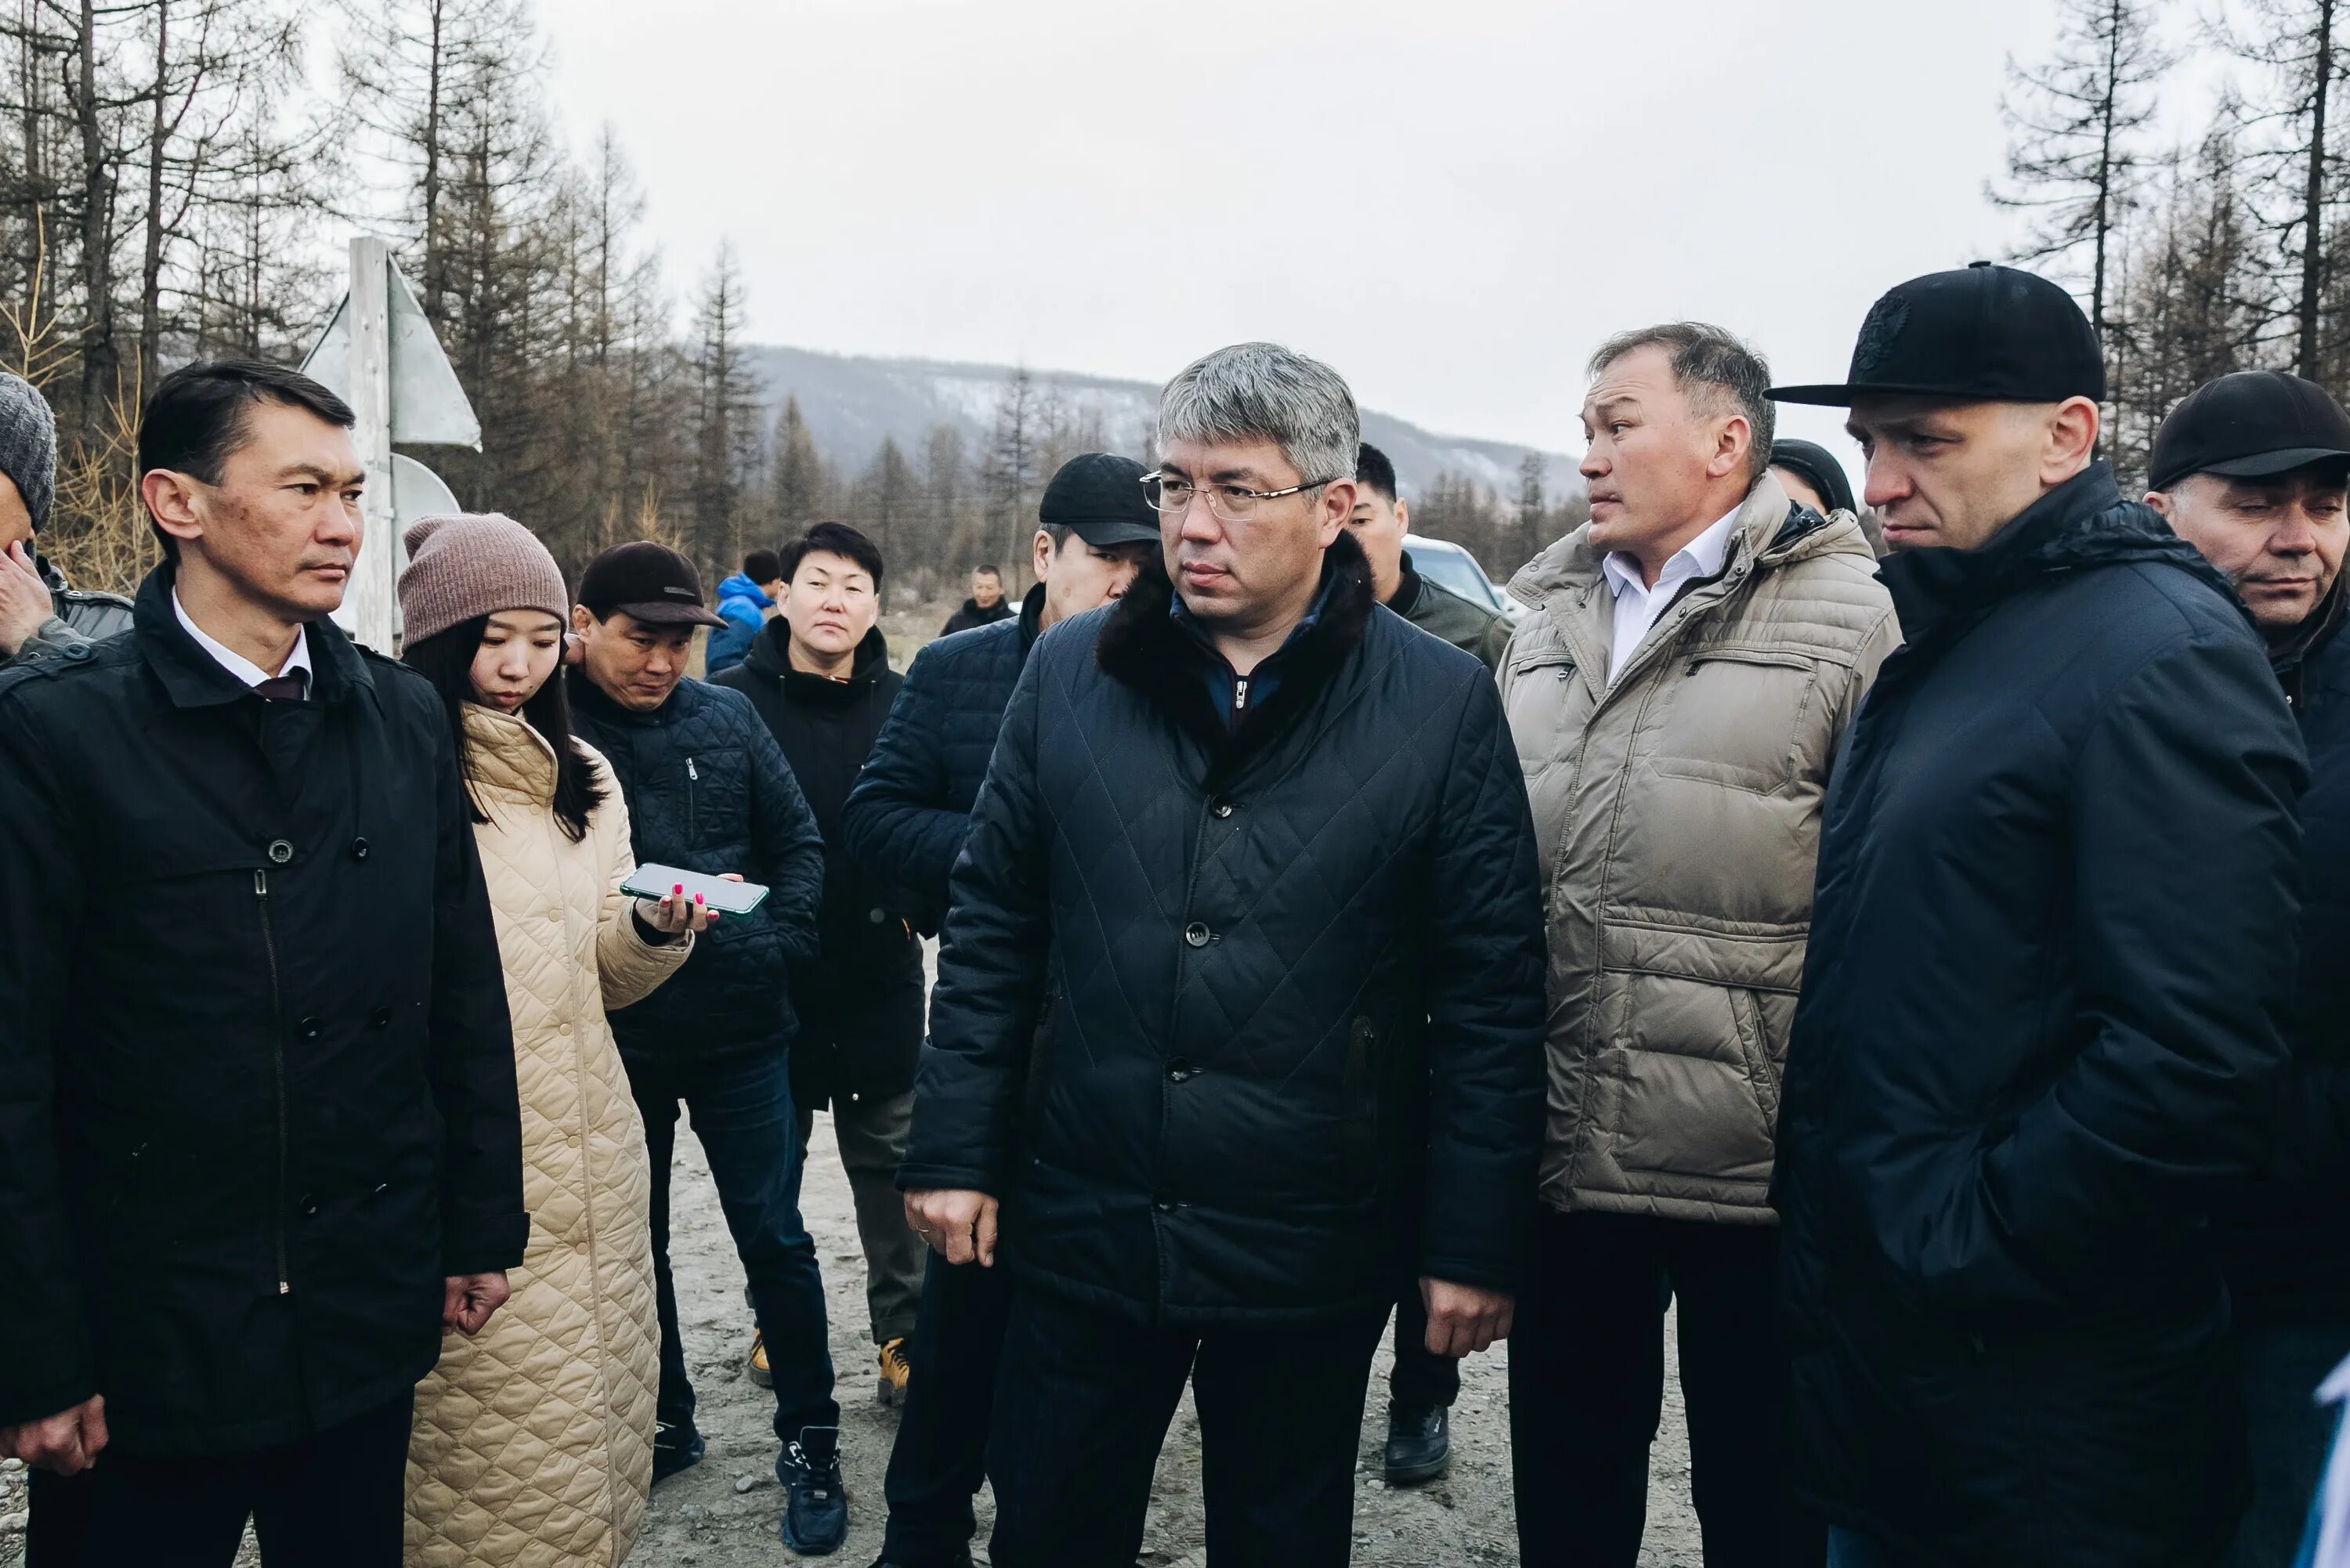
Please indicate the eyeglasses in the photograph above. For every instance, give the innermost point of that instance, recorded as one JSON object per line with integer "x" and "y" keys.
{"x": 1233, "y": 502}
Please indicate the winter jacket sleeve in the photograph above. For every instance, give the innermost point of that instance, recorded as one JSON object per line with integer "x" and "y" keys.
{"x": 483, "y": 1224}
{"x": 50, "y": 1366}
{"x": 2186, "y": 848}
{"x": 628, "y": 967}
{"x": 991, "y": 980}
{"x": 1485, "y": 1040}
{"x": 731, "y": 643}
{"x": 785, "y": 839}
{"x": 893, "y": 825}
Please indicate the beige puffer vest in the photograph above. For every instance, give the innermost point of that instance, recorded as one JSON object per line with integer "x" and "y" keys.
{"x": 532, "y": 1443}
{"x": 1677, "y": 813}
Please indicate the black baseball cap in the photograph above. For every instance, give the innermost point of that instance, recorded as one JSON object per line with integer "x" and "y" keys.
{"x": 1098, "y": 496}
{"x": 1980, "y": 334}
{"x": 648, "y": 581}
{"x": 2248, "y": 425}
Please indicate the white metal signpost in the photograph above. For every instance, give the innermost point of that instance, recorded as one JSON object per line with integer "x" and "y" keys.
{"x": 379, "y": 353}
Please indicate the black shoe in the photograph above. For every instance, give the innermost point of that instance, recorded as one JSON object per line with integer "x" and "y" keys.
{"x": 677, "y": 1446}
{"x": 815, "y": 1508}
{"x": 1419, "y": 1444}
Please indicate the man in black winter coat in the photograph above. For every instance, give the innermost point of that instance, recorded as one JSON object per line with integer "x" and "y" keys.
{"x": 2054, "y": 933}
{"x": 259, "y": 1141}
{"x": 708, "y": 791}
{"x": 1266, "y": 850}
{"x": 2253, "y": 470}
{"x": 985, "y": 606}
{"x": 905, "y": 820}
{"x": 819, "y": 675}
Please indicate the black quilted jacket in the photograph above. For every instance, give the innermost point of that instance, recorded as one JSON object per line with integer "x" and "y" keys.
{"x": 708, "y": 790}
{"x": 906, "y": 817}
{"x": 1296, "y": 1050}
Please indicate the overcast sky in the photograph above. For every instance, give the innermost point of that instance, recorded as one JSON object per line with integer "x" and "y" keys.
{"x": 1450, "y": 200}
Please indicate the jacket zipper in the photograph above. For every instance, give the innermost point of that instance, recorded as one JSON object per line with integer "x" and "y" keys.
{"x": 277, "y": 1066}
{"x": 1240, "y": 695}
{"x": 693, "y": 773}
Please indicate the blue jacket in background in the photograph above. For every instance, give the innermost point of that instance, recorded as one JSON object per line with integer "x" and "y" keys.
{"x": 709, "y": 791}
{"x": 744, "y": 610}
{"x": 906, "y": 819}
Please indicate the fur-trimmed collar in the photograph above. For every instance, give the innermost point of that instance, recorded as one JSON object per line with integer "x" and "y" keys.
{"x": 1143, "y": 648}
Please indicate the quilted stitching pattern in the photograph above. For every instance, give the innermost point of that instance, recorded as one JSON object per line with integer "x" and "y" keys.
{"x": 532, "y": 1443}
{"x": 1233, "y": 1108}
{"x": 708, "y": 790}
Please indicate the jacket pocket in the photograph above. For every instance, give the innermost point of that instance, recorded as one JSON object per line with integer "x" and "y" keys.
{"x": 1737, "y": 716}
{"x": 1754, "y": 1043}
{"x": 1547, "y": 707}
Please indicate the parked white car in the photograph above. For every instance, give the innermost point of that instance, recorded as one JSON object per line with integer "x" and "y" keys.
{"x": 1448, "y": 565}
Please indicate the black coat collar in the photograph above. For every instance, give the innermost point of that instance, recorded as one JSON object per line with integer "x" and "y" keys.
{"x": 195, "y": 678}
{"x": 1144, "y": 649}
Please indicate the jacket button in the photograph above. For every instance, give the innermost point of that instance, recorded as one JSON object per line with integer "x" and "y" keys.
{"x": 311, "y": 1028}
{"x": 1196, "y": 934}
{"x": 77, "y": 650}
{"x": 1181, "y": 1070}
{"x": 359, "y": 848}
{"x": 380, "y": 1019}
{"x": 556, "y": 913}
{"x": 876, "y": 916}
{"x": 1222, "y": 808}
{"x": 281, "y": 850}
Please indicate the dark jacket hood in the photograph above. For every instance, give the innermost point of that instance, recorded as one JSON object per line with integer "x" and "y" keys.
{"x": 771, "y": 656}
{"x": 2083, "y": 522}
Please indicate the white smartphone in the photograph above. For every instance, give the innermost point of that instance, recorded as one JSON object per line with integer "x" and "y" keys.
{"x": 726, "y": 898}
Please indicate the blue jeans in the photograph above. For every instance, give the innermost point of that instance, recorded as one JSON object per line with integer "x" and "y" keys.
{"x": 742, "y": 1112}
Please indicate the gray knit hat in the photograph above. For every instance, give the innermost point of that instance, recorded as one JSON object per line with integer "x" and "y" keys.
{"x": 466, "y": 564}
{"x": 28, "y": 444}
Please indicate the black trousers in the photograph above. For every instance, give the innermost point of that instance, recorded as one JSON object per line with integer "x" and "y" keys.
{"x": 1082, "y": 1408}
{"x": 1418, "y": 1380}
{"x": 332, "y": 1500}
{"x": 1586, "y": 1391}
{"x": 940, "y": 1454}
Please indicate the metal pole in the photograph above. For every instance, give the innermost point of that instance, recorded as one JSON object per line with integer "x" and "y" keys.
{"x": 371, "y": 605}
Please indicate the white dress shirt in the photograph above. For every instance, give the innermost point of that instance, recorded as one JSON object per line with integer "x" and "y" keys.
{"x": 297, "y": 662}
{"x": 1637, "y": 606}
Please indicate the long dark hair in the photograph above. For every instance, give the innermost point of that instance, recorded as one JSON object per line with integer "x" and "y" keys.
{"x": 446, "y": 659}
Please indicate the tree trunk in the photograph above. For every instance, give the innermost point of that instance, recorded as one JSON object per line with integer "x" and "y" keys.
{"x": 434, "y": 272}
{"x": 151, "y": 272}
{"x": 99, "y": 372}
{"x": 2313, "y": 251}
{"x": 2104, "y": 219}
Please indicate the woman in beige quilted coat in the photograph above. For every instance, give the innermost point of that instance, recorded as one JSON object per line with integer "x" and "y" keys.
{"x": 533, "y": 1441}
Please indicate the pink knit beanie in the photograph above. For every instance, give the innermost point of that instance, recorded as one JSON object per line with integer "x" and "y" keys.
{"x": 466, "y": 564}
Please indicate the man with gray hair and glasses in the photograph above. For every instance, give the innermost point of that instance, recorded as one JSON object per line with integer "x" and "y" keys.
{"x": 1256, "y": 853}
{"x": 1695, "y": 653}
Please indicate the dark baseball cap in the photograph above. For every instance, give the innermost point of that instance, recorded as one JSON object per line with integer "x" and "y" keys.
{"x": 648, "y": 581}
{"x": 2248, "y": 425}
{"x": 1098, "y": 495}
{"x": 1979, "y": 334}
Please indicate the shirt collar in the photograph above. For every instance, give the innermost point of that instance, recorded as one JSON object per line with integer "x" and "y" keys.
{"x": 1700, "y": 558}
{"x": 1183, "y": 618}
{"x": 297, "y": 662}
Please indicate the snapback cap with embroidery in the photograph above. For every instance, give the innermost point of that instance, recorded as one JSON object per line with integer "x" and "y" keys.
{"x": 648, "y": 581}
{"x": 1980, "y": 334}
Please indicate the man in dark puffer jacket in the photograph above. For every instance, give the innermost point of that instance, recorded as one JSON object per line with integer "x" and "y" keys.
{"x": 905, "y": 820}
{"x": 1268, "y": 850}
{"x": 2053, "y": 936}
{"x": 708, "y": 791}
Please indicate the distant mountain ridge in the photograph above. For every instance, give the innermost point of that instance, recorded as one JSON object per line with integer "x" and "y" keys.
{"x": 852, "y": 400}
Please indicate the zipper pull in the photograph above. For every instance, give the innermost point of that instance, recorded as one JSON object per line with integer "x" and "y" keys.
{"x": 1239, "y": 692}
{"x": 260, "y": 884}
{"x": 691, "y": 772}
